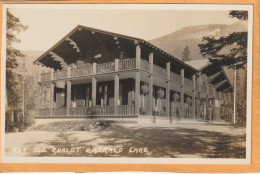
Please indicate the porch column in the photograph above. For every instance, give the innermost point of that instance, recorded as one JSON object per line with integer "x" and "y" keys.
{"x": 194, "y": 97}
{"x": 94, "y": 68}
{"x": 138, "y": 54}
{"x": 137, "y": 92}
{"x": 199, "y": 95}
{"x": 151, "y": 62}
{"x": 182, "y": 93}
{"x": 116, "y": 93}
{"x": 214, "y": 114}
{"x": 51, "y": 74}
{"x": 39, "y": 73}
{"x": 51, "y": 97}
{"x": 150, "y": 109}
{"x": 68, "y": 98}
{"x": 168, "y": 88}
{"x": 105, "y": 95}
{"x": 68, "y": 72}
{"x": 207, "y": 102}
{"x": 150, "y": 99}
{"x": 38, "y": 100}
{"x": 94, "y": 91}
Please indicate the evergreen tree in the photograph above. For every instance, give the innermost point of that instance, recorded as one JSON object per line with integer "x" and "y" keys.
{"x": 13, "y": 26}
{"x": 237, "y": 42}
{"x": 186, "y": 54}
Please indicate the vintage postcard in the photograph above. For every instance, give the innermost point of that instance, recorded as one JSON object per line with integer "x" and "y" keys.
{"x": 126, "y": 83}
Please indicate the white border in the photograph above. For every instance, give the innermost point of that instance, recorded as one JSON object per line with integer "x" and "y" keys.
{"x": 131, "y": 160}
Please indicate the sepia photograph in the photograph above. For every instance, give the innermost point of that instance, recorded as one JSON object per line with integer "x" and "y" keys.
{"x": 126, "y": 83}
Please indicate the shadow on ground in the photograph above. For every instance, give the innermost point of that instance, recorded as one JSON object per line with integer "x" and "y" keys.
{"x": 160, "y": 141}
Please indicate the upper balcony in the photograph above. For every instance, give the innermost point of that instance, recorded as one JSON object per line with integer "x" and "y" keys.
{"x": 116, "y": 66}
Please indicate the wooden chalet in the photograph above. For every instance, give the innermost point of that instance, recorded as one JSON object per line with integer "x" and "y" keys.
{"x": 99, "y": 73}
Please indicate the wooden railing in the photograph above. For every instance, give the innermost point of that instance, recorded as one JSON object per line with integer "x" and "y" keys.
{"x": 125, "y": 110}
{"x": 159, "y": 71}
{"x": 175, "y": 77}
{"x": 145, "y": 65}
{"x": 45, "y": 112}
{"x": 104, "y": 110}
{"x": 58, "y": 111}
{"x": 188, "y": 82}
{"x": 45, "y": 77}
{"x": 80, "y": 111}
{"x": 203, "y": 88}
{"x": 62, "y": 74}
{"x": 105, "y": 67}
{"x": 126, "y": 64}
{"x": 83, "y": 71}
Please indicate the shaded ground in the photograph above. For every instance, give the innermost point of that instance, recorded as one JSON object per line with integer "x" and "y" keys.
{"x": 183, "y": 140}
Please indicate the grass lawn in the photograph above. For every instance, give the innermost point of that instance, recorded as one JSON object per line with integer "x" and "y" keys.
{"x": 171, "y": 140}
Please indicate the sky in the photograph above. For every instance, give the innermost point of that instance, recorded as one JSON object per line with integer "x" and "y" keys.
{"x": 48, "y": 25}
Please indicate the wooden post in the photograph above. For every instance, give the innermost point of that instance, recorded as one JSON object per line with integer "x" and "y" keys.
{"x": 105, "y": 95}
{"x": 68, "y": 102}
{"x": 68, "y": 72}
{"x": 168, "y": 68}
{"x": 151, "y": 62}
{"x": 214, "y": 114}
{"x": 207, "y": 102}
{"x": 199, "y": 95}
{"x": 51, "y": 97}
{"x": 87, "y": 96}
{"x": 137, "y": 92}
{"x": 150, "y": 109}
{"x": 116, "y": 64}
{"x": 39, "y": 100}
{"x": 168, "y": 99}
{"x": 194, "y": 96}
{"x": 39, "y": 73}
{"x": 51, "y": 74}
{"x": 182, "y": 93}
{"x": 94, "y": 91}
{"x": 116, "y": 93}
{"x": 94, "y": 68}
{"x": 138, "y": 55}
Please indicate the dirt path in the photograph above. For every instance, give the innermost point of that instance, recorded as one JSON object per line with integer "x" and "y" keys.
{"x": 133, "y": 140}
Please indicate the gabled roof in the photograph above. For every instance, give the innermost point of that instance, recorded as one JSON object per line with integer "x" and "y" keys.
{"x": 156, "y": 49}
{"x": 198, "y": 64}
{"x": 204, "y": 64}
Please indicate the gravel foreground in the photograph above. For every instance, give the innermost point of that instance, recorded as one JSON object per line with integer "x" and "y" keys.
{"x": 111, "y": 139}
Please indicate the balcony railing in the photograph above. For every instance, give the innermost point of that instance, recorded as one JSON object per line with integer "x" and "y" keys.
{"x": 105, "y": 67}
{"x": 59, "y": 111}
{"x": 175, "y": 77}
{"x": 159, "y": 71}
{"x": 145, "y": 65}
{"x": 125, "y": 110}
{"x": 62, "y": 74}
{"x": 103, "y": 110}
{"x": 83, "y": 71}
{"x": 45, "y": 112}
{"x": 126, "y": 64}
{"x": 80, "y": 111}
{"x": 188, "y": 82}
{"x": 45, "y": 77}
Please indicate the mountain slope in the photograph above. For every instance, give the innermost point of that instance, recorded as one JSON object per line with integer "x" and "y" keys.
{"x": 174, "y": 43}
